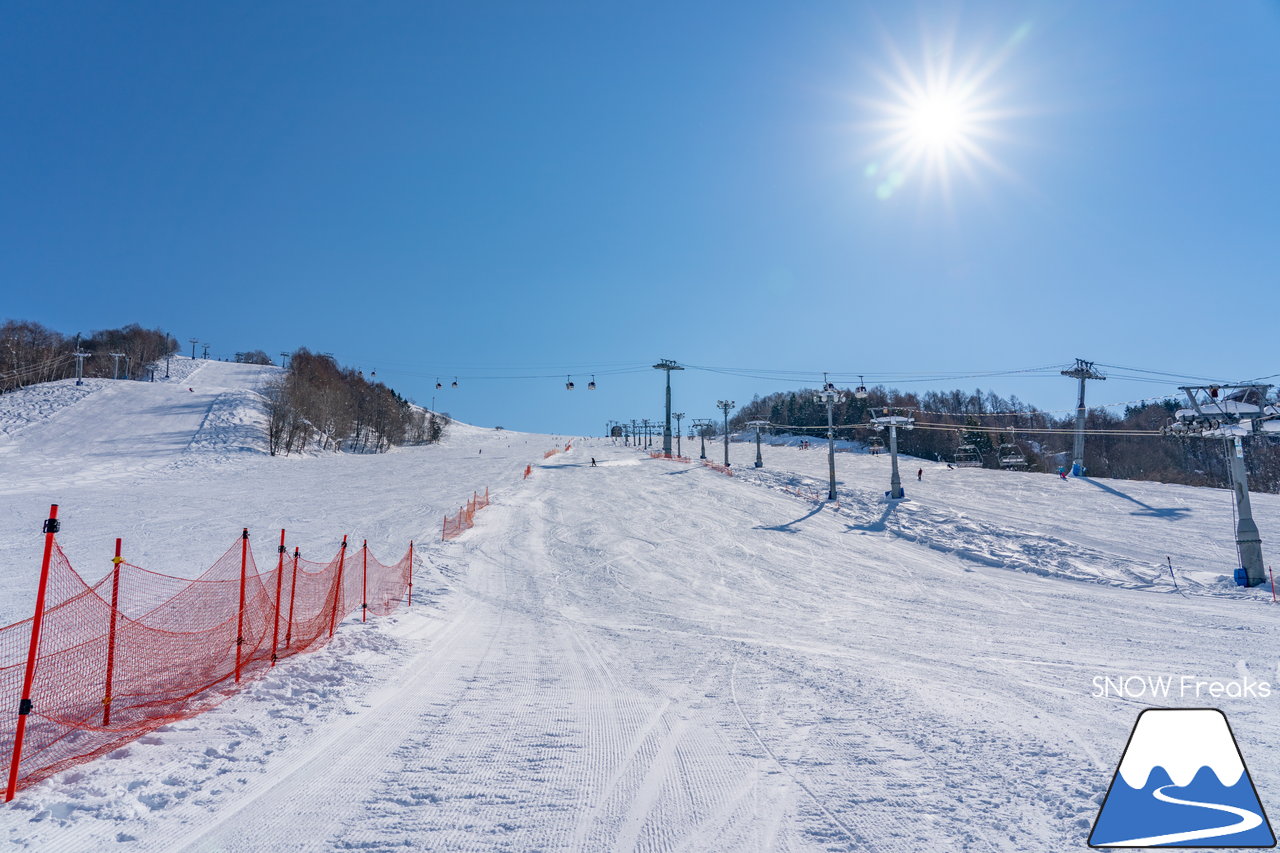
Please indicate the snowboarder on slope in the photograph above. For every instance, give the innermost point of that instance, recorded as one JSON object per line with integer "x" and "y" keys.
{"x": 1062, "y": 472}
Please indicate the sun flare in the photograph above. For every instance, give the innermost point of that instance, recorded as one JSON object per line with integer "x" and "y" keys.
{"x": 936, "y": 119}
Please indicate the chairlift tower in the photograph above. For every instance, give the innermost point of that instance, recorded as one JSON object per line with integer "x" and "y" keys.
{"x": 830, "y": 396}
{"x": 725, "y": 406}
{"x": 703, "y": 425}
{"x": 115, "y": 364}
{"x": 668, "y": 365}
{"x": 1082, "y": 371}
{"x": 80, "y": 355}
{"x": 893, "y": 422}
{"x": 679, "y": 416}
{"x": 1233, "y": 416}
{"x": 193, "y": 342}
{"x": 759, "y": 425}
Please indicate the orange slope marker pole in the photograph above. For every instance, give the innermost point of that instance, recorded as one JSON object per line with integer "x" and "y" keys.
{"x": 337, "y": 587}
{"x": 111, "y": 635}
{"x": 293, "y": 591}
{"x": 244, "y": 563}
{"x": 29, "y": 676}
{"x": 275, "y": 630}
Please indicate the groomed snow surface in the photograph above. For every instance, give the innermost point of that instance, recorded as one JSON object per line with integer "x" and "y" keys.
{"x": 643, "y": 655}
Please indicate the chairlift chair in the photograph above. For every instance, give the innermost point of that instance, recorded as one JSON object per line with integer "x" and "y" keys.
{"x": 1011, "y": 457}
{"x": 875, "y": 445}
{"x": 568, "y": 384}
{"x": 968, "y": 456}
{"x": 591, "y": 386}
{"x": 455, "y": 382}
{"x": 439, "y": 385}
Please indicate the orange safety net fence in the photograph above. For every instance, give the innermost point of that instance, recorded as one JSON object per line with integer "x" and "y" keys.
{"x": 723, "y": 469}
{"x": 671, "y": 456}
{"x": 453, "y": 526}
{"x": 808, "y": 493}
{"x": 138, "y": 649}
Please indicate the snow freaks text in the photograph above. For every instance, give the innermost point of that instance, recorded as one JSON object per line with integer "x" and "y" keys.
{"x": 1179, "y": 687}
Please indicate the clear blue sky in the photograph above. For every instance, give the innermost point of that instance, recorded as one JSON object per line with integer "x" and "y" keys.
{"x": 489, "y": 189}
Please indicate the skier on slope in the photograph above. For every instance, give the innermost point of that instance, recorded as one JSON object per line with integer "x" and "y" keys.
{"x": 919, "y": 474}
{"x": 593, "y": 462}
{"x": 1062, "y": 472}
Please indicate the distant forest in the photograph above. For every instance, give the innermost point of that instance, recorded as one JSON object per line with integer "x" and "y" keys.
{"x": 313, "y": 403}
{"x": 1192, "y": 461}
{"x": 31, "y": 353}
{"x": 317, "y": 403}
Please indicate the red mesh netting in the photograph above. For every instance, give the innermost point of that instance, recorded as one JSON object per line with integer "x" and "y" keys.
{"x": 465, "y": 519}
{"x": 167, "y": 649}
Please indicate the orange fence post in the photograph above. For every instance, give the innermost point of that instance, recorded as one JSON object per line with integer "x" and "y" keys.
{"x": 244, "y": 563}
{"x": 275, "y": 630}
{"x": 364, "y": 581}
{"x": 410, "y": 572}
{"x": 24, "y": 704}
{"x": 337, "y": 589}
{"x": 111, "y": 635}
{"x": 293, "y": 589}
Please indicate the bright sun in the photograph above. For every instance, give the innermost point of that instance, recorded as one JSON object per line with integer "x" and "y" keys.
{"x": 936, "y": 119}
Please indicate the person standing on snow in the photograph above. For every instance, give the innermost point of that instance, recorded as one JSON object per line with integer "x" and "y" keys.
{"x": 919, "y": 474}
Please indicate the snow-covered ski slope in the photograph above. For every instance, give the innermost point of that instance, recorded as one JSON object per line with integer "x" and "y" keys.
{"x": 647, "y": 655}
{"x": 178, "y": 468}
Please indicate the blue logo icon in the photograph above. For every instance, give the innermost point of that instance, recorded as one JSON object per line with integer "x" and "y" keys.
{"x": 1182, "y": 783}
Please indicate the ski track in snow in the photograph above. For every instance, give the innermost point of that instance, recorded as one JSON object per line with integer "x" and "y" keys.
{"x": 642, "y": 656}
